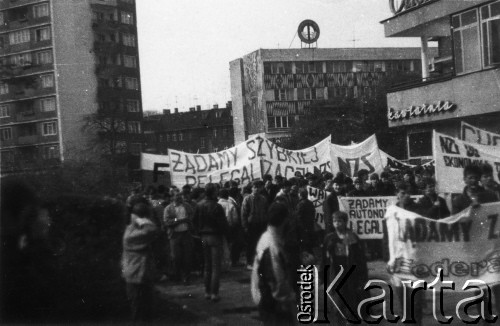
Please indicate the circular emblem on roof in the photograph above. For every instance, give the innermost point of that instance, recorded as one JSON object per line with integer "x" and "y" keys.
{"x": 308, "y": 31}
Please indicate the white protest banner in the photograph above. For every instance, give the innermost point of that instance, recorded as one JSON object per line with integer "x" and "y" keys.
{"x": 240, "y": 163}
{"x": 350, "y": 159}
{"x": 472, "y": 134}
{"x": 451, "y": 155}
{"x": 465, "y": 246}
{"x": 366, "y": 214}
{"x": 395, "y": 164}
{"x": 154, "y": 166}
{"x": 276, "y": 160}
{"x": 318, "y": 196}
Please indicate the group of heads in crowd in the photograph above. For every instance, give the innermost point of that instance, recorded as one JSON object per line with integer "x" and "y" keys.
{"x": 415, "y": 181}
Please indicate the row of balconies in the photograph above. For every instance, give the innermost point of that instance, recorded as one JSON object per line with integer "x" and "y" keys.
{"x": 28, "y": 140}
{"x": 27, "y": 115}
{"x": 19, "y": 23}
{"x": 33, "y": 44}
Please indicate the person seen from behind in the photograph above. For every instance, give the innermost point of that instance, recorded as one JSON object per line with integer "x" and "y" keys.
{"x": 211, "y": 224}
{"x": 270, "y": 282}
{"x": 137, "y": 261}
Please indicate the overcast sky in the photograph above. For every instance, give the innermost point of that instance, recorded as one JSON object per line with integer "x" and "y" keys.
{"x": 186, "y": 45}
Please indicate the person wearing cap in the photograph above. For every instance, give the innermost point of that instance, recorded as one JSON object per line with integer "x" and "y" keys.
{"x": 253, "y": 218}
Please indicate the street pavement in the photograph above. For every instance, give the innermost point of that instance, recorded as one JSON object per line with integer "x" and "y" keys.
{"x": 236, "y": 306}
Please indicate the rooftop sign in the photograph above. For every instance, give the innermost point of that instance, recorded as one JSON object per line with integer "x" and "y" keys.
{"x": 399, "y": 6}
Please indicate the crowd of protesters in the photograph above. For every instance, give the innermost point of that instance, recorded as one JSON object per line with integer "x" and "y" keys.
{"x": 272, "y": 222}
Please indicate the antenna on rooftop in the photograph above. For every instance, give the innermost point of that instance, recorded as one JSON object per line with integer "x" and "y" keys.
{"x": 354, "y": 37}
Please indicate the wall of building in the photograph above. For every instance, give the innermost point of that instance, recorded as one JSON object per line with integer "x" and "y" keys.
{"x": 75, "y": 70}
{"x": 236, "y": 76}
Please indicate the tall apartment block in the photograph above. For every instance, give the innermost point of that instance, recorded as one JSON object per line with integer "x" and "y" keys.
{"x": 62, "y": 61}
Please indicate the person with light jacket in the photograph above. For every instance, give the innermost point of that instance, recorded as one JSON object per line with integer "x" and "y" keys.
{"x": 137, "y": 261}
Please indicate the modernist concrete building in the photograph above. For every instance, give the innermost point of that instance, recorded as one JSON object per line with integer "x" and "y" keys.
{"x": 461, "y": 83}
{"x": 196, "y": 131}
{"x": 270, "y": 88}
{"x": 62, "y": 61}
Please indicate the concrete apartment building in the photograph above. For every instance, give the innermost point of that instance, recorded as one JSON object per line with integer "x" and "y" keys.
{"x": 462, "y": 79}
{"x": 61, "y": 62}
{"x": 270, "y": 88}
{"x": 195, "y": 131}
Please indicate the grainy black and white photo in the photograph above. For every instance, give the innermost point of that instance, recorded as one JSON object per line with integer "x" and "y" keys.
{"x": 249, "y": 162}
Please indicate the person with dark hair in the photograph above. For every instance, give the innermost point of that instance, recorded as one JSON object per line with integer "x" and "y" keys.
{"x": 409, "y": 178}
{"x": 330, "y": 206}
{"x": 487, "y": 180}
{"x": 211, "y": 224}
{"x": 473, "y": 193}
{"x": 404, "y": 199}
{"x": 284, "y": 196}
{"x": 270, "y": 282}
{"x": 387, "y": 187}
{"x": 374, "y": 187}
{"x": 431, "y": 205}
{"x": 342, "y": 247}
{"x": 306, "y": 214}
{"x": 253, "y": 218}
{"x": 358, "y": 189}
{"x": 236, "y": 230}
{"x": 137, "y": 261}
{"x": 177, "y": 217}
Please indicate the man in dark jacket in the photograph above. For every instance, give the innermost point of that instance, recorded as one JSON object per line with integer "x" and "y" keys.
{"x": 210, "y": 222}
{"x": 473, "y": 193}
{"x": 253, "y": 218}
{"x": 305, "y": 214}
{"x": 431, "y": 205}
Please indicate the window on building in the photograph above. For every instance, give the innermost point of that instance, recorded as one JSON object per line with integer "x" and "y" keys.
{"x": 42, "y": 34}
{"x": 130, "y": 61}
{"x": 2, "y": 21}
{"x": 1, "y": 42}
{"x": 174, "y": 137}
{"x": 490, "y": 27}
{"x": 320, "y": 93}
{"x": 202, "y": 142}
{"x": 47, "y": 80}
{"x": 282, "y": 92}
{"x": 224, "y": 132}
{"x": 215, "y": 132}
{"x": 167, "y": 138}
{"x": 129, "y": 40}
{"x": 131, "y": 83}
{"x": 44, "y": 57}
{"x": 4, "y": 111}
{"x": 23, "y": 59}
{"x": 18, "y": 37}
{"x": 41, "y": 10}
{"x": 466, "y": 41}
{"x": 280, "y": 121}
{"x": 339, "y": 66}
{"x": 420, "y": 144}
{"x": 4, "y": 88}
{"x": 134, "y": 127}
{"x": 49, "y": 128}
{"x": 6, "y": 133}
{"x": 133, "y": 106}
{"x": 50, "y": 152}
{"x": 47, "y": 104}
{"x": 306, "y": 94}
{"x": 127, "y": 18}
{"x": 181, "y": 136}
{"x": 218, "y": 114}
